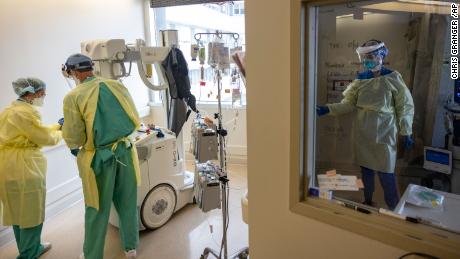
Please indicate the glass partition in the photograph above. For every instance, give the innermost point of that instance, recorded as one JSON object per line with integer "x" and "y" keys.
{"x": 387, "y": 121}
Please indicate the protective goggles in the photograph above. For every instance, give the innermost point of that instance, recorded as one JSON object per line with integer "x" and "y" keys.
{"x": 65, "y": 71}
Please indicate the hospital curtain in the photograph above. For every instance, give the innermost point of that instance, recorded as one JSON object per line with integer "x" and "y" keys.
{"x": 426, "y": 39}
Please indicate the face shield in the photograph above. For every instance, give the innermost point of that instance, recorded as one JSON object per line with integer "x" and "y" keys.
{"x": 370, "y": 51}
{"x": 371, "y": 57}
{"x": 76, "y": 62}
{"x": 70, "y": 80}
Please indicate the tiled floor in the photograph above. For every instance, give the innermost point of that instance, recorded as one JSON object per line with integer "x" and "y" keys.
{"x": 184, "y": 236}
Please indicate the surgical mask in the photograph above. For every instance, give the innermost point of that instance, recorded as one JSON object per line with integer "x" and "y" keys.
{"x": 369, "y": 63}
{"x": 372, "y": 64}
{"x": 38, "y": 101}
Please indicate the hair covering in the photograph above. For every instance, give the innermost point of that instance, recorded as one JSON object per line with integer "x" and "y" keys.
{"x": 78, "y": 62}
{"x": 32, "y": 85}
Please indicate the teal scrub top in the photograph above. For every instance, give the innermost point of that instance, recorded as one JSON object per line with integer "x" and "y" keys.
{"x": 111, "y": 123}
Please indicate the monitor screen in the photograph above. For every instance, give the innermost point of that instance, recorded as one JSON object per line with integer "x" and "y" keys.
{"x": 437, "y": 157}
{"x": 457, "y": 91}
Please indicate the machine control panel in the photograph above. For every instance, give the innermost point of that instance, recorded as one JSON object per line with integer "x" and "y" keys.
{"x": 151, "y": 132}
{"x": 150, "y": 137}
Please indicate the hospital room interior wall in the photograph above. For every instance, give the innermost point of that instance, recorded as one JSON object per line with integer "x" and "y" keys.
{"x": 274, "y": 231}
{"x": 36, "y": 37}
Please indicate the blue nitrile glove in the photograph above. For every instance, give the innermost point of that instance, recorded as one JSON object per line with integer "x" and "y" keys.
{"x": 160, "y": 134}
{"x": 322, "y": 110}
{"x": 75, "y": 151}
{"x": 408, "y": 142}
{"x": 61, "y": 121}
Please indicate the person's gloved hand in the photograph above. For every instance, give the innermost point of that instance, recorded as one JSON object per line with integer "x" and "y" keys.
{"x": 61, "y": 122}
{"x": 322, "y": 110}
{"x": 75, "y": 151}
{"x": 408, "y": 142}
{"x": 160, "y": 134}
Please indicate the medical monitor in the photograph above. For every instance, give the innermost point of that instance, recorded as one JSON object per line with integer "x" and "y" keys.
{"x": 438, "y": 160}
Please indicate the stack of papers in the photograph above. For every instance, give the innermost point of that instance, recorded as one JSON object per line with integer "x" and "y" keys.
{"x": 333, "y": 181}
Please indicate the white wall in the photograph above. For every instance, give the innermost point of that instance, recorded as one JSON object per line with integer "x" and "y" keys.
{"x": 274, "y": 231}
{"x": 36, "y": 37}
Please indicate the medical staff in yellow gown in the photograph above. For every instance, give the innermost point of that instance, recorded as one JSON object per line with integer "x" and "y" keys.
{"x": 23, "y": 166}
{"x": 99, "y": 115}
{"x": 384, "y": 108}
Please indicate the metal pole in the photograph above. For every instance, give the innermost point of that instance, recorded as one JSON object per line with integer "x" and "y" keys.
{"x": 224, "y": 181}
{"x": 219, "y": 107}
{"x": 222, "y": 162}
{"x": 224, "y": 215}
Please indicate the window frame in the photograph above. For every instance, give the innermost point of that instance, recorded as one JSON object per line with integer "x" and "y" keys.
{"x": 398, "y": 233}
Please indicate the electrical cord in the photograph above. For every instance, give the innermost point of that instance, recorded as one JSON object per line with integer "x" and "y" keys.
{"x": 418, "y": 254}
{"x": 225, "y": 153}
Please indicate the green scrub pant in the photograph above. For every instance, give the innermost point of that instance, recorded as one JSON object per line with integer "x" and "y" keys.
{"x": 28, "y": 241}
{"x": 115, "y": 182}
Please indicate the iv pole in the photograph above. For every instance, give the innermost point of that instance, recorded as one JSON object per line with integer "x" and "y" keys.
{"x": 243, "y": 253}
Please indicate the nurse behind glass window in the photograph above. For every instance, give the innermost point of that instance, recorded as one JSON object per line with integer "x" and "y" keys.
{"x": 384, "y": 108}
{"x": 23, "y": 166}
